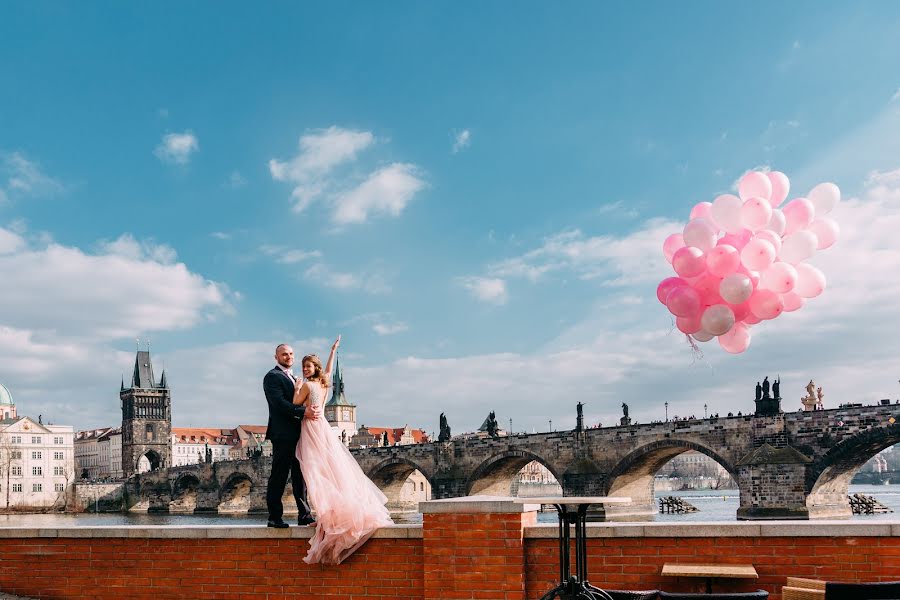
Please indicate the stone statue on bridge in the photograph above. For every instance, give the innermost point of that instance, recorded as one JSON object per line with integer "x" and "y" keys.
{"x": 625, "y": 420}
{"x": 776, "y": 389}
{"x": 579, "y": 421}
{"x": 810, "y": 401}
{"x": 819, "y": 396}
{"x": 758, "y": 391}
{"x": 765, "y": 387}
{"x": 444, "y": 435}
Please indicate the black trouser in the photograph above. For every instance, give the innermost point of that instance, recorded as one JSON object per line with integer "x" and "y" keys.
{"x": 283, "y": 461}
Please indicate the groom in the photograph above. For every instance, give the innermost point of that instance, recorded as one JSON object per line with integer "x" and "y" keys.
{"x": 284, "y": 432}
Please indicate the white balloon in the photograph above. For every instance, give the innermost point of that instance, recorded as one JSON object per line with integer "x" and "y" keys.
{"x": 736, "y": 288}
{"x": 755, "y": 184}
{"x": 798, "y": 246}
{"x": 726, "y": 213}
{"x": 700, "y": 233}
{"x": 810, "y": 281}
{"x": 717, "y": 319}
{"x": 826, "y": 230}
{"x": 824, "y": 197}
{"x": 780, "y": 277}
{"x": 778, "y": 222}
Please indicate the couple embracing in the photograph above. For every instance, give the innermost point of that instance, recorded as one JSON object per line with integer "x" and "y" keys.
{"x": 348, "y": 506}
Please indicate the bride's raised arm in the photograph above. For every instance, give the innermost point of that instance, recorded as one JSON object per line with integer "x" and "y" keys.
{"x": 330, "y": 362}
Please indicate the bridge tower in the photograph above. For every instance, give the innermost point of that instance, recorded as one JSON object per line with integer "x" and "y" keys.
{"x": 340, "y": 413}
{"x": 146, "y": 419}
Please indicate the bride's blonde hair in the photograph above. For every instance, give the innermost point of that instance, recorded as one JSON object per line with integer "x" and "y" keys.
{"x": 316, "y": 362}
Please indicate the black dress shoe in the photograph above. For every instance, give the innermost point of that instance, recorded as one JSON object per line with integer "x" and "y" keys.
{"x": 279, "y": 524}
{"x": 307, "y": 520}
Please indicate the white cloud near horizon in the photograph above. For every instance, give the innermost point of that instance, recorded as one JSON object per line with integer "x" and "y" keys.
{"x": 490, "y": 290}
{"x": 177, "y": 148}
{"x": 321, "y": 171}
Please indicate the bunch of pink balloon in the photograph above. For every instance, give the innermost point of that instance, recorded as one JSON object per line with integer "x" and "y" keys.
{"x": 742, "y": 260}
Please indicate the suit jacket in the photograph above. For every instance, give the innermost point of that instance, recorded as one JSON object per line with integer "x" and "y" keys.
{"x": 284, "y": 416}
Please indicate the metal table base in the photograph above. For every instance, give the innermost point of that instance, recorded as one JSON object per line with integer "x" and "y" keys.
{"x": 573, "y": 587}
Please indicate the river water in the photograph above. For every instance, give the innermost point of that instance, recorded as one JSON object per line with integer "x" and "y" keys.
{"x": 718, "y": 505}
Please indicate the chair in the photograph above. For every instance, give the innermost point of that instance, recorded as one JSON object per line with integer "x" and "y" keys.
{"x": 798, "y": 588}
{"x": 757, "y": 595}
{"x": 633, "y": 595}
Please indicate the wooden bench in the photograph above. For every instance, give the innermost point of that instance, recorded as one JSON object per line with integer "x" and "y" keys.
{"x": 709, "y": 572}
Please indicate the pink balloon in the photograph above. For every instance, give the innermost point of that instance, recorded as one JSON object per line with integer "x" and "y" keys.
{"x": 736, "y": 288}
{"x": 717, "y": 319}
{"x": 810, "y": 281}
{"x": 726, "y": 213}
{"x": 688, "y": 324}
{"x": 777, "y": 223}
{"x": 672, "y": 243}
{"x": 781, "y": 186}
{"x": 757, "y": 255}
{"x": 740, "y": 311}
{"x": 766, "y": 304}
{"x": 751, "y": 319}
{"x": 798, "y": 214}
{"x": 737, "y": 240}
{"x": 780, "y": 278}
{"x": 702, "y": 211}
{"x": 826, "y": 230}
{"x": 756, "y": 213}
{"x": 707, "y": 286}
{"x": 722, "y": 260}
{"x": 700, "y": 233}
{"x": 753, "y": 275}
{"x": 688, "y": 261}
{"x": 667, "y": 285}
{"x": 755, "y": 184}
{"x": 736, "y": 340}
{"x": 793, "y": 301}
{"x": 771, "y": 237}
{"x": 683, "y": 301}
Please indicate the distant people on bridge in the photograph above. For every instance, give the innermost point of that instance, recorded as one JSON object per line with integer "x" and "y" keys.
{"x": 349, "y": 507}
{"x": 283, "y": 431}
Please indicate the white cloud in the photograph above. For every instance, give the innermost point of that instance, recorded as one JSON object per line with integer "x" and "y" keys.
{"x": 389, "y": 328}
{"x": 288, "y": 256}
{"x": 126, "y": 289}
{"x": 462, "y": 140}
{"x": 321, "y": 151}
{"x": 896, "y": 96}
{"x": 10, "y": 242}
{"x": 221, "y": 235}
{"x": 486, "y": 289}
{"x": 177, "y": 148}
{"x": 235, "y": 180}
{"x": 25, "y": 178}
{"x": 386, "y": 191}
{"x": 324, "y": 276}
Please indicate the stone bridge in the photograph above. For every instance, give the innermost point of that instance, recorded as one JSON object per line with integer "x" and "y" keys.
{"x": 788, "y": 466}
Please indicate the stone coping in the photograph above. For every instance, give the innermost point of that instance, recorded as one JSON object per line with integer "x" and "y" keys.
{"x": 729, "y": 529}
{"x": 477, "y": 505}
{"x": 191, "y": 532}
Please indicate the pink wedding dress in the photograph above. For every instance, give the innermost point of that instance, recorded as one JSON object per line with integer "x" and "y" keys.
{"x": 348, "y": 506}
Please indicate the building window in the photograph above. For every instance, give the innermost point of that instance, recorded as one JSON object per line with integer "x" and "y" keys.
{"x": 59, "y": 471}
{"x": 35, "y": 439}
{"x": 57, "y": 456}
{"x": 58, "y": 440}
{"x": 17, "y": 439}
{"x": 58, "y": 487}
{"x": 149, "y": 433}
{"x": 36, "y": 471}
{"x": 17, "y": 487}
{"x": 36, "y": 487}
{"x": 421, "y": 486}
{"x": 16, "y": 455}
{"x": 17, "y": 471}
{"x": 36, "y": 455}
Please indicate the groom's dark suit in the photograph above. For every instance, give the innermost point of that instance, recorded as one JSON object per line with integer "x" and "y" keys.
{"x": 284, "y": 433}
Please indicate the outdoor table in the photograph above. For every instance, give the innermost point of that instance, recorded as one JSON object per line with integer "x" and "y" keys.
{"x": 710, "y": 572}
{"x": 572, "y": 510}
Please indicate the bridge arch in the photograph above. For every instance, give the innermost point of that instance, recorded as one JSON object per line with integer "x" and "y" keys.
{"x": 495, "y": 476}
{"x": 235, "y": 493}
{"x": 391, "y": 475}
{"x": 184, "y": 493}
{"x": 828, "y": 478}
{"x": 634, "y": 474}
{"x": 148, "y": 461}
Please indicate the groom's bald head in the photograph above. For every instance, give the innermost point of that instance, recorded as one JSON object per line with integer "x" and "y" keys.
{"x": 284, "y": 355}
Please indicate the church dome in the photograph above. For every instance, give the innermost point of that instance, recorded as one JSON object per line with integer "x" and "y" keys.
{"x": 5, "y": 396}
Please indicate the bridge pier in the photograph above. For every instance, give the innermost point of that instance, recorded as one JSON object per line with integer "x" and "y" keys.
{"x": 772, "y": 484}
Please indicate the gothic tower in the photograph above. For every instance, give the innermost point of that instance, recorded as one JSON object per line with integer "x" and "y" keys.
{"x": 340, "y": 413}
{"x": 146, "y": 419}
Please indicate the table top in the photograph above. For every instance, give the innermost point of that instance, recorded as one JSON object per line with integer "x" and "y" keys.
{"x": 573, "y": 500}
{"x": 695, "y": 570}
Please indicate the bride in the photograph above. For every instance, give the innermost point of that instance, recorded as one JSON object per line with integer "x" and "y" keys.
{"x": 349, "y": 507}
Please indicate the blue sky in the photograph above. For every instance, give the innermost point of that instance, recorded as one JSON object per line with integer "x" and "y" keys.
{"x": 484, "y": 190}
